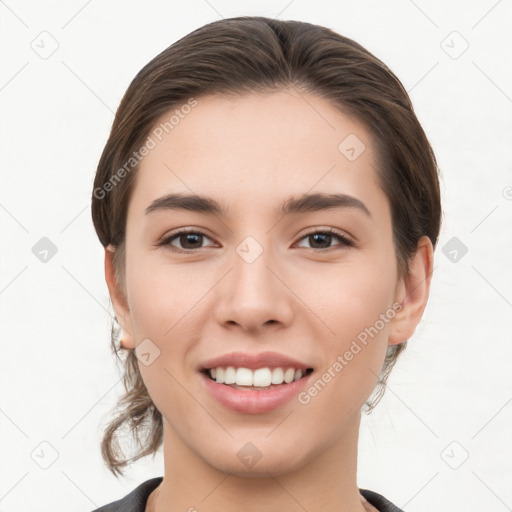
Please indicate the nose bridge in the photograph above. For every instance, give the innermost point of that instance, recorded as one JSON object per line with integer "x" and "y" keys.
{"x": 252, "y": 295}
{"x": 251, "y": 268}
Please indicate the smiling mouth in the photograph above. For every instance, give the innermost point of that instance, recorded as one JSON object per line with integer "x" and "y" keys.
{"x": 260, "y": 379}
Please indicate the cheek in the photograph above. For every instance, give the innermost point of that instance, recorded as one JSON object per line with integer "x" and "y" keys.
{"x": 350, "y": 296}
{"x": 160, "y": 296}
{"x": 356, "y": 306}
{"x": 353, "y": 356}
{"x": 167, "y": 307}
{"x": 162, "y": 311}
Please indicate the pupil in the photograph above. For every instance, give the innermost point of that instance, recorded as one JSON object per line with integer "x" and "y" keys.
{"x": 187, "y": 238}
{"x": 317, "y": 235}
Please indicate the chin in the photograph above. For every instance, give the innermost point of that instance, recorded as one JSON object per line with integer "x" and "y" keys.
{"x": 257, "y": 459}
{"x": 262, "y": 469}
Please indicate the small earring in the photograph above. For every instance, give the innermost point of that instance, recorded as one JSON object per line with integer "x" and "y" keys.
{"x": 122, "y": 345}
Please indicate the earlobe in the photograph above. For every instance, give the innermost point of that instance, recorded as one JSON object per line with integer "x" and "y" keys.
{"x": 119, "y": 301}
{"x": 412, "y": 293}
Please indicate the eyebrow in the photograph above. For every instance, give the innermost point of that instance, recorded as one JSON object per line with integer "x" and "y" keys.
{"x": 293, "y": 205}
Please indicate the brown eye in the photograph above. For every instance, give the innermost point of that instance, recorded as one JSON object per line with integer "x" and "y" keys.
{"x": 323, "y": 239}
{"x": 190, "y": 240}
{"x": 187, "y": 240}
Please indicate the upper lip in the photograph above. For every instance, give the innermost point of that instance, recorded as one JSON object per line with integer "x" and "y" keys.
{"x": 254, "y": 361}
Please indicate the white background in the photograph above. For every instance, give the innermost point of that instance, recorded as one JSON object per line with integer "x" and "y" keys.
{"x": 58, "y": 378}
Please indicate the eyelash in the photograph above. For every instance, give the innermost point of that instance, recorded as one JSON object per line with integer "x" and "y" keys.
{"x": 345, "y": 241}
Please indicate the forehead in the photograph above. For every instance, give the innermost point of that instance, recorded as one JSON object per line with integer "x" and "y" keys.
{"x": 257, "y": 148}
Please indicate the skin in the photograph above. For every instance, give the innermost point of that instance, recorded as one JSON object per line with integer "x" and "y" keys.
{"x": 300, "y": 298}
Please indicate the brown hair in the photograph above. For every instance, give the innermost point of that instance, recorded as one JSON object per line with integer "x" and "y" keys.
{"x": 247, "y": 55}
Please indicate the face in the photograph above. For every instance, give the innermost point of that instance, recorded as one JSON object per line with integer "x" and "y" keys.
{"x": 317, "y": 285}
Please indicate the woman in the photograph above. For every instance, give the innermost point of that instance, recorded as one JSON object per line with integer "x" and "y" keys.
{"x": 269, "y": 205}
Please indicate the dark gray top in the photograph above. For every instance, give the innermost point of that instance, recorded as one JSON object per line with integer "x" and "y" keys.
{"x": 136, "y": 500}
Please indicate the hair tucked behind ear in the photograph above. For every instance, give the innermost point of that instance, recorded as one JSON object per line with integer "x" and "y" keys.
{"x": 241, "y": 56}
{"x": 135, "y": 411}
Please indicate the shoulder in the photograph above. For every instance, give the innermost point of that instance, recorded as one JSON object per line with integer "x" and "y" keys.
{"x": 135, "y": 501}
{"x": 379, "y": 502}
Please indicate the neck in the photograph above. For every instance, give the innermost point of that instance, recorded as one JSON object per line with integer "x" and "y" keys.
{"x": 326, "y": 483}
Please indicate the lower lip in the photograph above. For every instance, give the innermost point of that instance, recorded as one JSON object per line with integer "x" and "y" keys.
{"x": 254, "y": 401}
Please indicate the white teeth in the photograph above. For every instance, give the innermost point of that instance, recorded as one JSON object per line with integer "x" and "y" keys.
{"x": 243, "y": 377}
{"x": 289, "y": 375}
{"x": 277, "y": 376}
{"x": 261, "y": 377}
{"x": 230, "y": 375}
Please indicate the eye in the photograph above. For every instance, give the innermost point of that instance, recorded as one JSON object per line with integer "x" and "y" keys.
{"x": 324, "y": 237}
{"x": 188, "y": 240}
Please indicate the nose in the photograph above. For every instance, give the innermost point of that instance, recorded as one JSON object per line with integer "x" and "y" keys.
{"x": 253, "y": 295}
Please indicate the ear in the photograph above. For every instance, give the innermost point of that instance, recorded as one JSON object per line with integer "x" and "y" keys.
{"x": 412, "y": 293}
{"x": 119, "y": 300}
